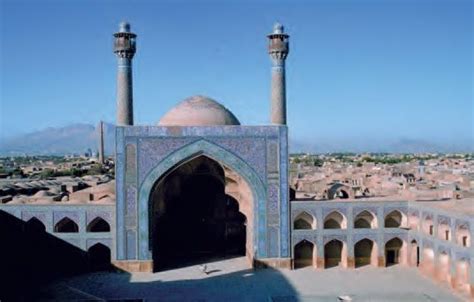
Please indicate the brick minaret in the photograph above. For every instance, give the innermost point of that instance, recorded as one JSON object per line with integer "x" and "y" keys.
{"x": 124, "y": 48}
{"x": 278, "y": 49}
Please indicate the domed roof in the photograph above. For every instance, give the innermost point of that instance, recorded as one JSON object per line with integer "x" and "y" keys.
{"x": 198, "y": 111}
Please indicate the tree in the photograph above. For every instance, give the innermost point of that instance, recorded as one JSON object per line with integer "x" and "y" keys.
{"x": 318, "y": 162}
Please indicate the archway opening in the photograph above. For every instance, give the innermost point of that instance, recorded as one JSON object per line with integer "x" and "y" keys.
{"x": 414, "y": 253}
{"x": 393, "y": 252}
{"x": 365, "y": 220}
{"x": 428, "y": 227}
{"x": 444, "y": 231}
{"x": 304, "y": 254}
{"x": 99, "y": 257}
{"x": 35, "y": 225}
{"x": 66, "y": 225}
{"x": 393, "y": 219}
{"x": 196, "y": 218}
{"x": 364, "y": 253}
{"x": 340, "y": 191}
{"x": 98, "y": 225}
{"x": 342, "y": 194}
{"x": 332, "y": 253}
{"x": 304, "y": 221}
{"x": 335, "y": 220}
{"x": 463, "y": 237}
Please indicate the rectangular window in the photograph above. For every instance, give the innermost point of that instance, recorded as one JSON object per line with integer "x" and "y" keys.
{"x": 464, "y": 240}
{"x": 431, "y": 230}
{"x": 446, "y": 235}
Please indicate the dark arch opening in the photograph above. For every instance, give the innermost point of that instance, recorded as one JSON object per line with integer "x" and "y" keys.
{"x": 35, "y": 225}
{"x": 192, "y": 219}
{"x": 361, "y": 223}
{"x": 393, "y": 219}
{"x": 364, "y": 220}
{"x": 304, "y": 252}
{"x": 363, "y": 252}
{"x": 303, "y": 221}
{"x": 415, "y": 253}
{"x": 334, "y": 220}
{"x": 342, "y": 194}
{"x": 66, "y": 225}
{"x": 332, "y": 253}
{"x": 99, "y": 257}
{"x": 98, "y": 225}
{"x": 392, "y": 251}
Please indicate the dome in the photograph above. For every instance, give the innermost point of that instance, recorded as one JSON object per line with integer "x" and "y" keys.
{"x": 198, "y": 111}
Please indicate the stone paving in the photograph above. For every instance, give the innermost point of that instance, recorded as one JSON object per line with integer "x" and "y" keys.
{"x": 232, "y": 280}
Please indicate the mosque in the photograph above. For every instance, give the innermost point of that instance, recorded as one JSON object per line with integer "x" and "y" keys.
{"x": 200, "y": 182}
{"x": 200, "y": 185}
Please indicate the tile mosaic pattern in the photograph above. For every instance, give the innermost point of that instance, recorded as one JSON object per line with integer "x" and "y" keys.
{"x": 251, "y": 151}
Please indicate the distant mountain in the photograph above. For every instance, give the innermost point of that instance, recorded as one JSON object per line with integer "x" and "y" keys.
{"x": 76, "y": 138}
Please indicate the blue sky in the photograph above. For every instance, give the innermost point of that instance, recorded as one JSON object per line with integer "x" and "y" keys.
{"x": 358, "y": 71}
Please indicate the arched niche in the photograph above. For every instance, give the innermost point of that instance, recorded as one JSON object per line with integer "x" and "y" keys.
{"x": 304, "y": 254}
{"x": 99, "y": 257}
{"x": 254, "y": 246}
{"x": 98, "y": 225}
{"x": 66, "y": 225}
{"x": 304, "y": 221}
{"x": 463, "y": 236}
{"x": 414, "y": 253}
{"x": 444, "y": 231}
{"x": 395, "y": 252}
{"x": 365, "y": 253}
{"x": 395, "y": 219}
{"x": 365, "y": 220}
{"x": 35, "y": 225}
{"x": 335, "y": 253}
{"x": 335, "y": 220}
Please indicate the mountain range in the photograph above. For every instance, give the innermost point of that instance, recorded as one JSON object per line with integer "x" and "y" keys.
{"x": 78, "y": 138}
{"x": 71, "y": 139}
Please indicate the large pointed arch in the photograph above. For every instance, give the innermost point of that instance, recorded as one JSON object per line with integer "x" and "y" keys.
{"x": 221, "y": 155}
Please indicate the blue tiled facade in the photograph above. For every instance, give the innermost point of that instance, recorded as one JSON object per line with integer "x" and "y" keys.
{"x": 82, "y": 215}
{"x": 259, "y": 154}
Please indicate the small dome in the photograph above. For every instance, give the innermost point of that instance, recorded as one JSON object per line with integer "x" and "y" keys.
{"x": 198, "y": 111}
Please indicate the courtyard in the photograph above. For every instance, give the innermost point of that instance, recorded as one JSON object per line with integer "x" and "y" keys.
{"x": 232, "y": 280}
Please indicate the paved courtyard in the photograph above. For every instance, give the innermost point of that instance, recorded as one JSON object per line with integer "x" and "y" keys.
{"x": 232, "y": 280}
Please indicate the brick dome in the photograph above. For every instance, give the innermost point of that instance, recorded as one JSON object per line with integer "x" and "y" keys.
{"x": 198, "y": 111}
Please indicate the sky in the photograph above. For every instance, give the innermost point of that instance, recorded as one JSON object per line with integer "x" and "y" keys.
{"x": 359, "y": 72}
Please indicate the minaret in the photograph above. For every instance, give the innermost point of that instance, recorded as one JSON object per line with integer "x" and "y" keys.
{"x": 101, "y": 142}
{"x": 278, "y": 49}
{"x": 124, "y": 48}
